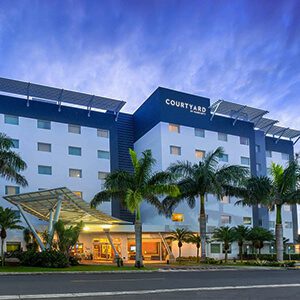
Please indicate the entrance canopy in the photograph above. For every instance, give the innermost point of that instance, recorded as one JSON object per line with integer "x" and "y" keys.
{"x": 72, "y": 209}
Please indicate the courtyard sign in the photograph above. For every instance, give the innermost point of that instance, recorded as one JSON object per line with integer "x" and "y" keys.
{"x": 197, "y": 109}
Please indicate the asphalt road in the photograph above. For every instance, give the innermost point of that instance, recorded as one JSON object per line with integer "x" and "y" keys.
{"x": 206, "y": 284}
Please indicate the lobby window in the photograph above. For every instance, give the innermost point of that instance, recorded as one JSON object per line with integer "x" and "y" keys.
{"x": 286, "y": 207}
{"x": 103, "y": 133}
{"x": 257, "y": 148}
{"x": 199, "y": 132}
{"x": 223, "y": 157}
{"x": 215, "y": 248}
{"x": 74, "y": 129}
{"x": 199, "y": 154}
{"x": 77, "y": 173}
{"x": 247, "y": 220}
{"x": 15, "y": 143}
{"x": 175, "y": 150}
{"x": 12, "y": 190}
{"x": 74, "y": 151}
{"x": 45, "y": 170}
{"x": 244, "y": 140}
{"x": 288, "y": 225}
{"x": 12, "y": 120}
{"x": 225, "y": 219}
{"x": 285, "y": 156}
{"x": 103, "y": 154}
{"x": 174, "y": 128}
{"x": 44, "y": 147}
{"x": 245, "y": 160}
{"x": 78, "y": 193}
{"x": 176, "y": 217}
{"x": 102, "y": 175}
{"x": 258, "y": 167}
{"x": 43, "y": 124}
{"x": 222, "y": 137}
{"x": 268, "y": 153}
{"x": 225, "y": 199}
{"x": 13, "y": 246}
{"x": 271, "y": 224}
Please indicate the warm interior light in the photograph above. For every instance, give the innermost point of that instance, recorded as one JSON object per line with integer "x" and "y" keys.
{"x": 177, "y": 217}
{"x": 85, "y": 228}
{"x": 106, "y": 226}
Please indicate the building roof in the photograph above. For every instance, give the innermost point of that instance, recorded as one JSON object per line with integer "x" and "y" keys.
{"x": 246, "y": 113}
{"x": 58, "y": 95}
{"x": 73, "y": 208}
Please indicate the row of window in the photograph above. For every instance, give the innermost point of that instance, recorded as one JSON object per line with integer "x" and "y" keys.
{"x": 199, "y": 132}
{"x": 284, "y": 156}
{"x": 44, "y": 124}
{"x": 287, "y": 224}
{"x": 176, "y": 150}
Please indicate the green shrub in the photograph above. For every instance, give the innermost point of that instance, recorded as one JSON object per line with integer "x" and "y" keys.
{"x": 74, "y": 261}
{"x": 47, "y": 259}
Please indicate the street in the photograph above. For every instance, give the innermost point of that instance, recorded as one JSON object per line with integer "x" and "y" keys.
{"x": 206, "y": 284}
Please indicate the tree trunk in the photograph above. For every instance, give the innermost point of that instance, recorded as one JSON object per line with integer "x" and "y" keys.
{"x": 179, "y": 250}
{"x": 226, "y": 255}
{"x": 138, "y": 242}
{"x": 202, "y": 223}
{"x": 198, "y": 254}
{"x": 2, "y": 252}
{"x": 241, "y": 252}
{"x": 279, "y": 234}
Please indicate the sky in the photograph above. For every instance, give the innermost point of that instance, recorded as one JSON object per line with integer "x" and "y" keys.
{"x": 241, "y": 51}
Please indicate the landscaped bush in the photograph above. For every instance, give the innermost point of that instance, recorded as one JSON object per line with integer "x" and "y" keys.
{"x": 74, "y": 261}
{"x": 47, "y": 259}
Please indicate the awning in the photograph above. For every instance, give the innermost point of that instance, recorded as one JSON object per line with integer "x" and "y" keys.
{"x": 73, "y": 208}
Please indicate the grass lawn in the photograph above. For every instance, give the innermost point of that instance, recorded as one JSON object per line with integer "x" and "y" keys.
{"x": 84, "y": 268}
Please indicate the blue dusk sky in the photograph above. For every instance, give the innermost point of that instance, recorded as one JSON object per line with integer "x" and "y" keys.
{"x": 242, "y": 51}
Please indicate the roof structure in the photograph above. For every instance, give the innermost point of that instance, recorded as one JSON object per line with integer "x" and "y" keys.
{"x": 73, "y": 208}
{"x": 59, "y": 96}
{"x": 246, "y": 113}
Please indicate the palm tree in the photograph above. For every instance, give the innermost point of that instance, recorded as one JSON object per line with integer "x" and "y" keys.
{"x": 134, "y": 188}
{"x": 258, "y": 236}
{"x": 282, "y": 189}
{"x": 195, "y": 239}
{"x": 180, "y": 235}
{"x": 225, "y": 235}
{"x": 9, "y": 220}
{"x": 201, "y": 179}
{"x": 11, "y": 164}
{"x": 241, "y": 235}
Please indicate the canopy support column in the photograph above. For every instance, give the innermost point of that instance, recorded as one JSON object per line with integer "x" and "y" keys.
{"x": 170, "y": 253}
{"x": 32, "y": 229}
{"x": 50, "y": 228}
{"x": 106, "y": 231}
{"x": 55, "y": 219}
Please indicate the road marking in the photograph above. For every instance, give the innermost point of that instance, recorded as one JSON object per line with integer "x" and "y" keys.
{"x": 127, "y": 279}
{"x": 142, "y": 292}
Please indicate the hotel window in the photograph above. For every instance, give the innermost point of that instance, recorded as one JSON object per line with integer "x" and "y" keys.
{"x": 247, "y": 220}
{"x": 103, "y": 154}
{"x": 78, "y": 193}
{"x": 12, "y": 120}
{"x": 174, "y": 128}
{"x": 15, "y": 143}
{"x": 74, "y": 151}
{"x": 75, "y": 173}
{"x": 257, "y": 148}
{"x": 225, "y": 219}
{"x": 199, "y": 154}
{"x": 271, "y": 224}
{"x": 286, "y": 207}
{"x": 102, "y": 175}
{"x": 268, "y": 153}
{"x": 222, "y": 136}
{"x": 103, "y": 133}
{"x": 43, "y": 124}
{"x": 215, "y": 248}
{"x": 177, "y": 217}
{"x": 244, "y": 140}
{"x": 44, "y": 147}
{"x": 245, "y": 161}
{"x": 223, "y": 157}
{"x": 74, "y": 129}
{"x": 45, "y": 170}
{"x": 12, "y": 190}
{"x": 258, "y": 167}
{"x": 288, "y": 225}
{"x": 174, "y": 150}
{"x": 199, "y": 132}
{"x": 225, "y": 199}
{"x": 285, "y": 156}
